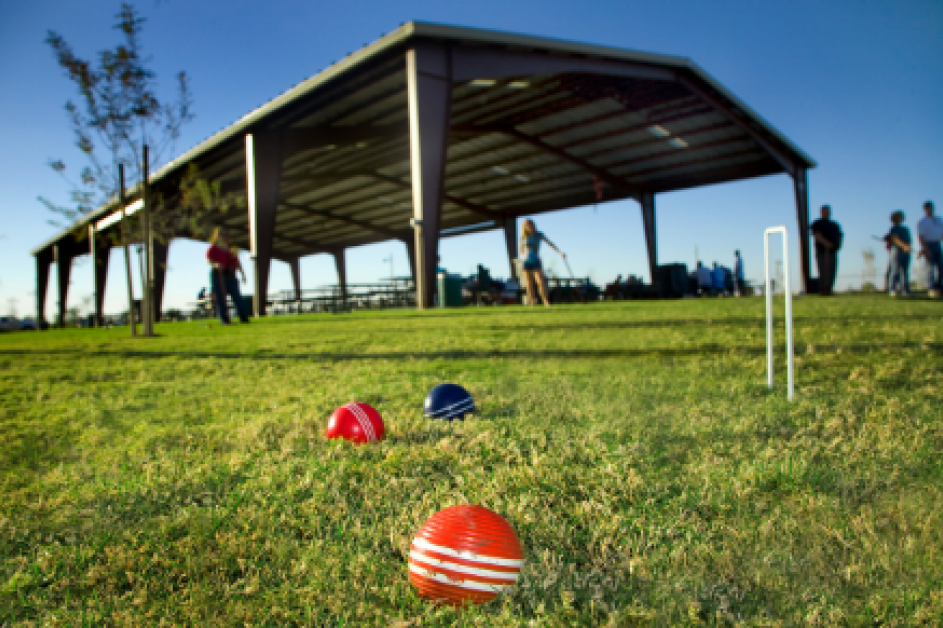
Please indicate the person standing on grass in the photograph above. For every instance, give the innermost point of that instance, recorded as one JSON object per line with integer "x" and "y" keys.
{"x": 532, "y": 267}
{"x": 738, "y": 272}
{"x": 899, "y": 239}
{"x": 223, "y": 266}
{"x": 930, "y": 233}
{"x": 828, "y": 239}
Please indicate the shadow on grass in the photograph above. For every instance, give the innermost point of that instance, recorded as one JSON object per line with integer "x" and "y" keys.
{"x": 696, "y": 350}
{"x": 529, "y": 323}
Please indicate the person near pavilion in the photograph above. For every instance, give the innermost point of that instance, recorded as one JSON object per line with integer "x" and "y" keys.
{"x": 899, "y": 239}
{"x": 223, "y": 266}
{"x": 738, "y": 272}
{"x": 930, "y": 233}
{"x": 828, "y": 240}
{"x": 532, "y": 267}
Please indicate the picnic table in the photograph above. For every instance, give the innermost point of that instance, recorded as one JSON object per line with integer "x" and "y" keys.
{"x": 393, "y": 292}
{"x": 571, "y": 290}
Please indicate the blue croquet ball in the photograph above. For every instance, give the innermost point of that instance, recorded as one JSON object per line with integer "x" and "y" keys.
{"x": 448, "y": 401}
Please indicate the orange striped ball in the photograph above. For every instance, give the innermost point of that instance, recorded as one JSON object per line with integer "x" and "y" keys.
{"x": 464, "y": 554}
{"x": 356, "y": 422}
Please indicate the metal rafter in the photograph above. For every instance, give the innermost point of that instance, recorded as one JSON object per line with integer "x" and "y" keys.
{"x": 473, "y": 207}
{"x": 771, "y": 146}
{"x": 670, "y": 149}
{"x": 360, "y": 223}
{"x": 600, "y": 173}
{"x": 733, "y": 172}
{"x": 694, "y": 162}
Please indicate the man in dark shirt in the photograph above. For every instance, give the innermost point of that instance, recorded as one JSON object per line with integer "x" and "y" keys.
{"x": 828, "y": 237}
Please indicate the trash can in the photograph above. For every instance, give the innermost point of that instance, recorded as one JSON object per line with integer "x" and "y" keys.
{"x": 450, "y": 290}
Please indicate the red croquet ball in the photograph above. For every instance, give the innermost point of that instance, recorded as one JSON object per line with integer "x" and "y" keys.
{"x": 464, "y": 554}
{"x": 357, "y": 422}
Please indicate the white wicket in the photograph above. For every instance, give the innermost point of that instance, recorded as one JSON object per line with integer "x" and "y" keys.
{"x": 790, "y": 361}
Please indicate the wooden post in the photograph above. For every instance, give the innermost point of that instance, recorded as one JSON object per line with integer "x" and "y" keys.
{"x": 147, "y": 314}
{"x": 126, "y": 245}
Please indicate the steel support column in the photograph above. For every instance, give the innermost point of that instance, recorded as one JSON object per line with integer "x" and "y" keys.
{"x": 510, "y": 240}
{"x": 63, "y": 274}
{"x": 428, "y": 72}
{"x": 100, "y": 249}
{"x": 801, "y": 183}
{"x": 160, "y": 251}
{"x": 43, "y": 262}
{"x": 411, "y": 256}
{"x": 263, "y": 169}
{"x": 648, "y": 222}
{"x": 295, "y": 266}
{"x": 341, "y": 266}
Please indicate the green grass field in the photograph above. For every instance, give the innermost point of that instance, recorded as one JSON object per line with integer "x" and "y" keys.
{"x": 652, "y": 477}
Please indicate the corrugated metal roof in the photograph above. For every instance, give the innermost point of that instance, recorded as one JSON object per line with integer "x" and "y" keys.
{"x": 567, "y": 128}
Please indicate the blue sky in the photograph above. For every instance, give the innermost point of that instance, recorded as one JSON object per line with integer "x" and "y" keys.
{"x": 857, "y": 84}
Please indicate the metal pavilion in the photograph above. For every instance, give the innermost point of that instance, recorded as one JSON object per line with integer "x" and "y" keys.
{"x": 437, "y": 130}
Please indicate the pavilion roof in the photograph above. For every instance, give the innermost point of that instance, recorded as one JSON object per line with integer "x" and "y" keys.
{"x": 534, "y": 142}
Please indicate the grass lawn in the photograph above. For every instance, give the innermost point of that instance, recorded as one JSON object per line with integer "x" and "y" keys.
{"x": 652, "y": 477}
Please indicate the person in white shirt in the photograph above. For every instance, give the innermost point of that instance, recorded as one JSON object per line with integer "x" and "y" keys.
{"x": 930, "y": 233}
{"x": 738, "y": 272}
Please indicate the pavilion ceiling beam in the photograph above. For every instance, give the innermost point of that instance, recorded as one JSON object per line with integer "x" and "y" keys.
{"x": 648, "y": 142}
{"x": 738, "y": 117}
{"x": 377, "y": 216}
{"x": 503, "y": 129}
{"x": 228, "y": 223}
{"x": 360, "y": 223}
{"x": 567, "y": 97}
{"x": 696, "y": 148}
{"x": 509, "y": 195}
{"x": 472, "y": 63}
{"x": 306, "y": 138}
{"x": 328, "y": 177}
{"x": 599, "y": 173}
{"x": 473, "y": 207}
{"x": 349, "y": 90}
{"x": 687, "y": 163}
{"x": 635, "y": 128}
{"x": 490, "y": 101}
{"x": 736, "y": 172}
{"x": 383, "y": 114}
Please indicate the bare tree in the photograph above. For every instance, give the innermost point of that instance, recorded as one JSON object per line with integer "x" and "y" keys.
{"x": 118, "y": 113}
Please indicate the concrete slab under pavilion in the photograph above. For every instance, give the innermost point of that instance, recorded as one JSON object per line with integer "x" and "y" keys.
{"x": 435, "y": 128}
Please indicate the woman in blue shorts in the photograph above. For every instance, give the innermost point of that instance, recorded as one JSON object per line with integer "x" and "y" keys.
{"x": 532, "y": 267}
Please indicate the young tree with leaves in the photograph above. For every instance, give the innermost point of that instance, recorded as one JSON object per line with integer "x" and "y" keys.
{"x": 117, "y": 116}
